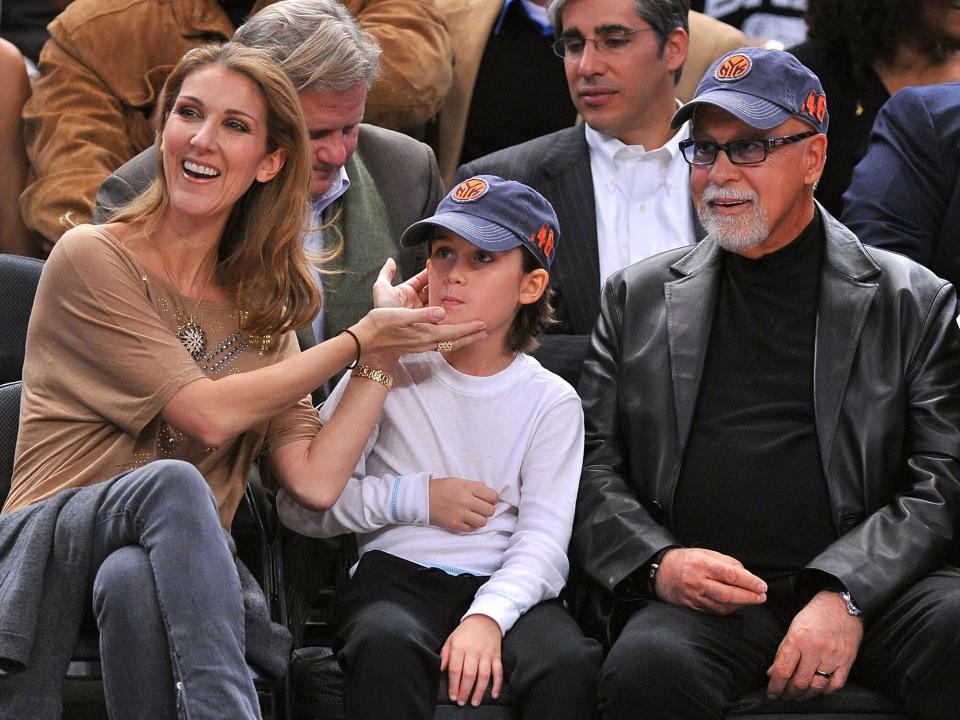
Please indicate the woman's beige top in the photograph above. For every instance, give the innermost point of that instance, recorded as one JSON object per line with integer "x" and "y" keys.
{"x": 103, "y": 359}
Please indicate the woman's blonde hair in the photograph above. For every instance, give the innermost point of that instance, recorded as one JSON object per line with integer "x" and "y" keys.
{"x": 261, "y": 257}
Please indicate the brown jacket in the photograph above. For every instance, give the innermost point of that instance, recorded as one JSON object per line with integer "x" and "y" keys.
{"x": 106, "y": 61}
{"x": 470, "y": 23}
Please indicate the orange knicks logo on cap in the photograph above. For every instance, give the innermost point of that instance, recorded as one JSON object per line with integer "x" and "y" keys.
{"x": 470, "y": 190}
{"x": 733, "y": 68}
{"x": 543, "y": 239}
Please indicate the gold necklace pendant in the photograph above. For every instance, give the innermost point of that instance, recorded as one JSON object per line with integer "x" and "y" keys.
{"x": 190, "y": 334}
{"x": 193, "y": 338}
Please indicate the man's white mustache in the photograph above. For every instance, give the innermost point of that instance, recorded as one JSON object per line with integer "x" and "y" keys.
{"x": 714, "y": 192}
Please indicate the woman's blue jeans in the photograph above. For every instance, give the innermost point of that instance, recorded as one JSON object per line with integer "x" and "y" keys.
{"x": 167, "y": 600}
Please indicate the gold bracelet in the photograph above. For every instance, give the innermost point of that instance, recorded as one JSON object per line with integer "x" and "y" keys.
{"x": 375, "y": 374}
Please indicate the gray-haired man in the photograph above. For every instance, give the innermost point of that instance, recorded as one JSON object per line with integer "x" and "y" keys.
{"x": 771, "y": 479}
{"x": 368, "y": 183}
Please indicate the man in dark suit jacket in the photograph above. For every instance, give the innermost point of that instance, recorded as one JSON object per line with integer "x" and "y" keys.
{"x": 617, "y": 181}
{"x": 905, "y": 193}
{"x": 369, "y": 184}
{"x": 771, "y": 480}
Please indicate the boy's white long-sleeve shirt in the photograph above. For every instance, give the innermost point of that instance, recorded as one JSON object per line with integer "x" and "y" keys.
{"x": 519, "y": 431}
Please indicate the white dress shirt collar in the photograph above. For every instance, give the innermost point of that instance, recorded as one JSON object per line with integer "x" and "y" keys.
{"x": 642, "y": 199}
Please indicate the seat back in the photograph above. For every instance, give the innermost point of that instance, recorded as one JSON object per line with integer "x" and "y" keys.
{"x": 9, "y": 425}
{"x": 19, "y": 277}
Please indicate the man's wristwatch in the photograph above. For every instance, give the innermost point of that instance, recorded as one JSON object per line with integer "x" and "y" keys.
{"x": 653, "y": 567}
{"x": 852, "y": 608}
{"x": 652, "y": 578}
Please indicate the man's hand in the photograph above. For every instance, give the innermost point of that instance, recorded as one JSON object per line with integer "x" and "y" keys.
{"x": 707, "y": 581}
{"x": 471, "y": 657}
{"x": 460, "y": 505}
{"x": 823, "y": 636}
{"x": 409, "y": 294}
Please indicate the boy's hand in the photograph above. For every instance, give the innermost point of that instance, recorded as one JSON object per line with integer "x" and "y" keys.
{"x": 471, "y": 657}
{"x": 409, "y": 294}
{"x": 460, "y": 505}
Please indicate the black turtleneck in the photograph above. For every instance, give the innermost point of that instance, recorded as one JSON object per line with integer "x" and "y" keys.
{"x": 752, "y": 484}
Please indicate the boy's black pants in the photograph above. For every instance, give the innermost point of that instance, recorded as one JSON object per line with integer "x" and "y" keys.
{"x": 393, "y": 617}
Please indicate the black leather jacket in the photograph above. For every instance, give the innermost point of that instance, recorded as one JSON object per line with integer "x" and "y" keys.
{"x": 887, "y": 407}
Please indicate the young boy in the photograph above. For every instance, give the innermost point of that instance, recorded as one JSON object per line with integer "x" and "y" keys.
{"x": 463, "y": 500}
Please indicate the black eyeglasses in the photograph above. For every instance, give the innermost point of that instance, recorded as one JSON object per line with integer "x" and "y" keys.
{"x": 606, "y": 41}
{"x": 740, "y": 152}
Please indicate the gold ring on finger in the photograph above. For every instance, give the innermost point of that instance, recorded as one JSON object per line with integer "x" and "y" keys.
{"x": 823, "y": 674}
{"x": 444, "y": 346}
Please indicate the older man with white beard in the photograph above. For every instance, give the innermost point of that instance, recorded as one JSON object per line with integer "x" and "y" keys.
{"x": 772, "y": 470}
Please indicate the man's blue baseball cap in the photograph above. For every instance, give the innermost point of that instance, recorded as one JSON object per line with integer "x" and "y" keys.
{"x": 761, "y": 87}
{"x": 494, "y": 214}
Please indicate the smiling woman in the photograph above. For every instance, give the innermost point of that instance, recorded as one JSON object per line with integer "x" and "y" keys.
{"x": 225, "y": 135}
{"x": 208, "y": 140}
{"x": 161, "y": 348}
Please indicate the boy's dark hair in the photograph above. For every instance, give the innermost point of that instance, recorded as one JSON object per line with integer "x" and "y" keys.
{"x": 532, "y": 319}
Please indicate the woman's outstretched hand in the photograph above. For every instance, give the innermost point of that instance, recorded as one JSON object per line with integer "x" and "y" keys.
{"x": 401, "y": 320}
{"x": 409, "y": 294}
{"x": 400, "y": 330}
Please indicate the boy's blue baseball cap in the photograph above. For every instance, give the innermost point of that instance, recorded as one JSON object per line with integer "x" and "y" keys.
{"x": 761, "y": 87}
{"x": 494, "y": 214}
